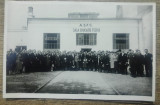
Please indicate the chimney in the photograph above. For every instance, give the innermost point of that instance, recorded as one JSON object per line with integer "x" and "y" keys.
{"x": 30, "y": 12}
{"x": 119, "y": 11}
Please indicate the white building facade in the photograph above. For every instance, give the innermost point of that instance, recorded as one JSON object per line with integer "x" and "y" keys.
{"x": 85, "y": 31}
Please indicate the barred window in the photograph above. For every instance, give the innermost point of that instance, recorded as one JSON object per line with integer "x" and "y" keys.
{"x": 86, "y": 38}
{"x": 51, "y": 41}
{"x": 120, "y": 41}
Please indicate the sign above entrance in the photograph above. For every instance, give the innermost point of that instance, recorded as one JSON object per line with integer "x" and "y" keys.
{"x": 86, "y": 28}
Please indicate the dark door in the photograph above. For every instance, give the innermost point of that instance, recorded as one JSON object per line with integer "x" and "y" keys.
{"x": 86, "y": 49}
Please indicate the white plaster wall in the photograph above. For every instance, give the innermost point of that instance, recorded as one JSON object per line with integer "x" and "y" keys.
{"x": 147, "y": 31}
{"x": 68, "y": 37}
{"x": 36, "y": 28}
{"x": 16, "y": 38}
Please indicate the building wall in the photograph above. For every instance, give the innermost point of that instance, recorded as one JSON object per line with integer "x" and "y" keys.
{"x": 16, "y": 38}
{"x": 37, "y": 28}
{"x": 147, "y": 31}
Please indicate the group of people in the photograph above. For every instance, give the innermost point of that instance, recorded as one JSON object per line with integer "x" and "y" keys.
{"x": 102, "y": 61}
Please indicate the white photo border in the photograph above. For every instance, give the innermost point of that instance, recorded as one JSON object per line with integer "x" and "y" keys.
{"x": 83, "y": 96}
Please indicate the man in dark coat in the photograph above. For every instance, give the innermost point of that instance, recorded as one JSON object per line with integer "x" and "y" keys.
{"x": 85, "y": 60}
{"x": 63, "y": 61}
{"x": 57, "y": 61}
{"x": 119, "y": 61}
{"x": 76, "y": 61}
{"x": 53, "y": 57}
{"x": 122, "y": 63}
{"x": 107, "y": 62}
{"x": 9, "y": 62}
{"x": 139, "y": 60}
{"x": 80, "y": 60}
{"x": 24, "y": 61}
{"x": 148, "y": 63}
{"x": 13, "y": 61}
{"x": 94, "y": 60}
{"x": 89, "y": 60}
{"x": 69, "y": 61}
{"x": 101, "y": 61}
{"x": 98, "y": 61}
{"x": 47, "y": 62}
{"x": 132, "y": 61}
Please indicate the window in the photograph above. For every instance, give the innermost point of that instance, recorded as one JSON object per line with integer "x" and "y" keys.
{"x": 120, "y": 41}
{"x": 51, "y": 41}
{"x": 85, "y": 16}
{"x": 86, "y": 38}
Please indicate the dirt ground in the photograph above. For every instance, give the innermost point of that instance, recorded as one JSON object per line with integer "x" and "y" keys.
{"x": 79, "y": 82}
{"x": 28, "y": 82}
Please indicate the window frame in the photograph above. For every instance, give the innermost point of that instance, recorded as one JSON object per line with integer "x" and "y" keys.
{"x": 127, "y": 45}
{"x": 51, "y": 38}
{"x": 91, "y": 41}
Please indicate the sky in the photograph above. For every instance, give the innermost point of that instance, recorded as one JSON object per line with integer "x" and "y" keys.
{"x": 17, "y": 11}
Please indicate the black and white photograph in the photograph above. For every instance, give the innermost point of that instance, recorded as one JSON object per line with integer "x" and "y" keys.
{"x": 79, "y": 50}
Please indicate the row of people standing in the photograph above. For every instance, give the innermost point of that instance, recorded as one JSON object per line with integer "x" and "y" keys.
{"x": 42, "y": 61}
{"x": 102, "y": 61}
{"x": 139, "y": 63}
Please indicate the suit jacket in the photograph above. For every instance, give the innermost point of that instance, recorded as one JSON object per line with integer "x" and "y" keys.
{"x": 147, "y": 59}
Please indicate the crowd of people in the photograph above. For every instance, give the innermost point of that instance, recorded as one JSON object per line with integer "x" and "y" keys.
{"x": 130, "y": 62}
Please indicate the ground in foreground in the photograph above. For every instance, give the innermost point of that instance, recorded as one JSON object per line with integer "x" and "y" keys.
{"x": 79, "y": 82}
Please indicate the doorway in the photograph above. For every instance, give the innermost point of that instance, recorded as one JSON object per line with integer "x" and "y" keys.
{"x": 86, "y": 49}
{"x": 20, "y": 48}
